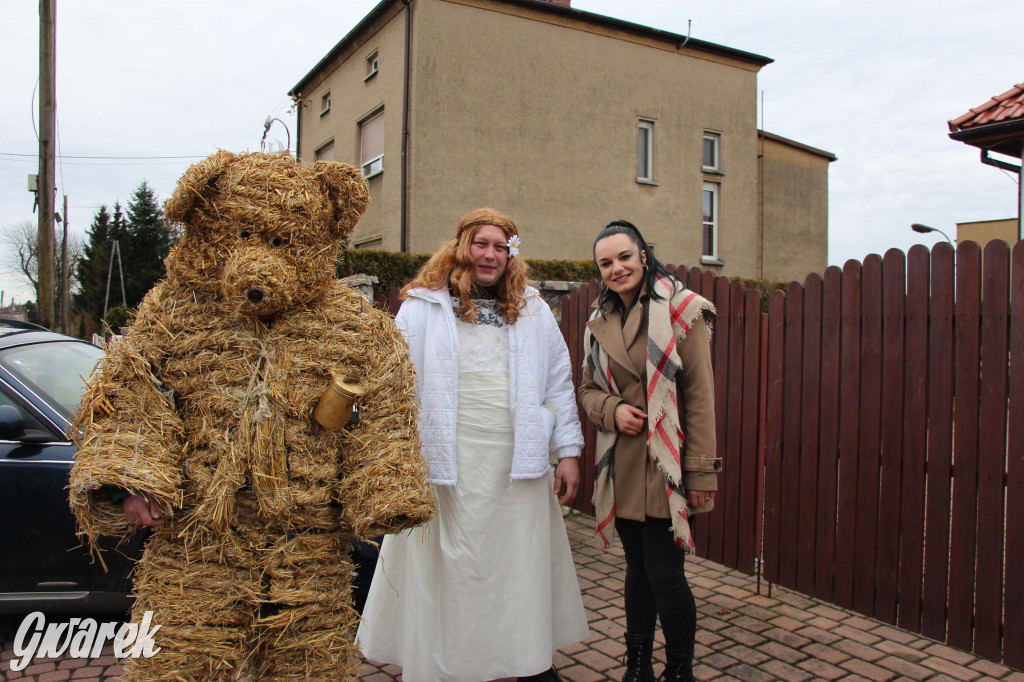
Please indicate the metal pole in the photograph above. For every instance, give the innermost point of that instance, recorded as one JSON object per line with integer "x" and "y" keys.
{"x": 47, "y": 126}
{"x": 64, "y": 273}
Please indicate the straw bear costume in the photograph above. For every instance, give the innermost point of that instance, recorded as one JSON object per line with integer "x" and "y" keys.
{"x": 204, "y": 406}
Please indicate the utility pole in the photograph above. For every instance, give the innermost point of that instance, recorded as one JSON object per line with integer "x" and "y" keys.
{"x": 47, "y": 128}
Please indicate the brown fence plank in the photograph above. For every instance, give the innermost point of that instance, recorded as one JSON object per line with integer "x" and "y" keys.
{"x": 988, "y": 618}
{"x": 915, "y": 440}
{"x": 711, "y": 545}
{"x": 750, "y": 475}
{"x": 807, "y": 495}
{"x": 773, "y": 434}
{"x": 849, "y": 434}
{"x": 734, "y": 446}
{"x": 887, "y": 548}
{"x": 828, "y": 434}
{"x": 870, "y": 440}
{"x": 587, "y": 295}
{"x": 965, "y": 445}
{"x": 940, "y": 443}
{"x": 1013, "y": 631}
{"x": 790, "y": 485}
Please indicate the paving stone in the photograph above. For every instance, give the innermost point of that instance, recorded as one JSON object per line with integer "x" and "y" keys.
{"x": 750, "y": 674}
{"x": 905, "y": 668}
{"x": 857, "y": 635}
{"x": 950, "y": 668}
{"x": 821, "y": 670}
{"x": 868, "y": 670}
{"x": 786, "y": 672}
{"x": 858, "y": 650}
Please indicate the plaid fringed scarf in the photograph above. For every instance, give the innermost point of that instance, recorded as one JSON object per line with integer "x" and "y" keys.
{"x": 669, "y": 318}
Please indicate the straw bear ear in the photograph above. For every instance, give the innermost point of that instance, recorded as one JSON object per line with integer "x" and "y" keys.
{"x": 197, "y": 183}
{"x": 346, "y": 190}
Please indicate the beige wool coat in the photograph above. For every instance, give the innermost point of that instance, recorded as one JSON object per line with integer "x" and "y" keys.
{"x": 639, "y": 485}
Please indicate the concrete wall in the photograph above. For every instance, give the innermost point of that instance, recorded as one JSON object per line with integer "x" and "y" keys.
{"x": 795, "y": 212}
{"x": 984, "y": 231}
{"x": 536, "y": 115}
{"x": 353, "y": 98}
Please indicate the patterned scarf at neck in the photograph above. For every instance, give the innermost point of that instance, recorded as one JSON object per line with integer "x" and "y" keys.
{"x": 669, "y": 318}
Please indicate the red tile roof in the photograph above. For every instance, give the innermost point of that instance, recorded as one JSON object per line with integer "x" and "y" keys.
{"x": 1008, "y": 106}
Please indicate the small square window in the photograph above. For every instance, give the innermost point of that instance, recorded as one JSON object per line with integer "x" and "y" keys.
{"x": 325, "y": 103}
{"x": 710, "y": 157}
{"x": 371, "y": 66}
{"x": 326, "y": 152}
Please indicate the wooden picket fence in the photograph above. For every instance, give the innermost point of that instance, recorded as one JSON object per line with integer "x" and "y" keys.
{"x": 836, "y": 414}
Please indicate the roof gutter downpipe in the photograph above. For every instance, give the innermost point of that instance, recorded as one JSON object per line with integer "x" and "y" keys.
{"x": 1019, "y": 170}
{"x": 403, "y": 202}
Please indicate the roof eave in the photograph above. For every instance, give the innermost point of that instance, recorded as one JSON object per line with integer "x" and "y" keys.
{"x": 591, "y": 17}
{"x": 994, "y": 136}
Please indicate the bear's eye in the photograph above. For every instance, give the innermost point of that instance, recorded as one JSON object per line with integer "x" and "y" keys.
{"x": 277, "y": 241}
{"x": 244, "y": 234}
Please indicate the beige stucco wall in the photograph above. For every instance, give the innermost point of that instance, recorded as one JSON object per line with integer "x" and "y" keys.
{"x": 984, "y": 231}
{"x": 353, "y": 99}
{"x": 795, "y": 212}
{"x": 536, "y": 115}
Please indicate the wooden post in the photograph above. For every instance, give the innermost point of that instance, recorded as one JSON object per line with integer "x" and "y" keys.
{"x": 47, "y": 126}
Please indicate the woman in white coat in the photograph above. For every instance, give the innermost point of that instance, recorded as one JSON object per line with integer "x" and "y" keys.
{"x": 487, "y": 589}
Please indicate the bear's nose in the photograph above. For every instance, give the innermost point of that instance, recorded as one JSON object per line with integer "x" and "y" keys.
{"x": 254, "y": 295}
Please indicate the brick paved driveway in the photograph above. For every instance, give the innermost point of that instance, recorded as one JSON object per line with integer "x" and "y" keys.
{"x": 741, "y": 635}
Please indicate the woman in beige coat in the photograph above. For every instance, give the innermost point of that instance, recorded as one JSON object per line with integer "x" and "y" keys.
{"x": 647, "y": 351}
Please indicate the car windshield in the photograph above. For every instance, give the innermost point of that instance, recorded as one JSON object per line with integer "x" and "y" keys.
{"x": 57, "y": 371}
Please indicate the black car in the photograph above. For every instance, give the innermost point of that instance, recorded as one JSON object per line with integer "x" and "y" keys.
{"x": 43, "y": 564}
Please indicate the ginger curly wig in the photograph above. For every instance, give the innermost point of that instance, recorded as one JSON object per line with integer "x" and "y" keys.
{"x": 452, "y": 266}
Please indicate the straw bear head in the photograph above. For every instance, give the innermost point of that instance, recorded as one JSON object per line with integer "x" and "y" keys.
{"x": 260, "y": 231}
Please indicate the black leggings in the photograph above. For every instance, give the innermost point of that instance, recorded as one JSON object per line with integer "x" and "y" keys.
{"x": 656, "y": 585}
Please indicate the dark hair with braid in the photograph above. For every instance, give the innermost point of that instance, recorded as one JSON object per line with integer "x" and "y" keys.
{"x": 608, "y": 300}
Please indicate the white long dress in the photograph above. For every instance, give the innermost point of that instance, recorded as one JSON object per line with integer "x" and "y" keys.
{"x": 487, "y": 589}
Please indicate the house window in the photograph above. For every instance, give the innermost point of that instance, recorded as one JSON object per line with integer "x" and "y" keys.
{"x": 709, "y": 230}
{"x": 710, "y": 160}
{"x": 371, "y": 145}
{"x": 325, "y": 103}
{"x": 645, "y": 151}
{"x": 371, "y": 66}
{"x": 326, "y": 152}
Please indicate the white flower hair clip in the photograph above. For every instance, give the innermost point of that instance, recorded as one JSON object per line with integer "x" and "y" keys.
{"x": 513, "y": 246}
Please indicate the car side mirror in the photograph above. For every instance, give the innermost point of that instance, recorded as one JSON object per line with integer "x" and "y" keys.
{"x": 12, "y": 423}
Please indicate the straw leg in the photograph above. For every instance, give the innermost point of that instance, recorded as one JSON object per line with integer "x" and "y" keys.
{"x": 306, "y": 632}
{"x": 204, "y": 598}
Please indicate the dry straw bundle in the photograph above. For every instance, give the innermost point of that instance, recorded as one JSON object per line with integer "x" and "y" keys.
{"x": 204, "y": 407}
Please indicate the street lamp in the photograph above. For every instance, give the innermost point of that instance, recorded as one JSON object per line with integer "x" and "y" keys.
{"x": 924, "y": 229}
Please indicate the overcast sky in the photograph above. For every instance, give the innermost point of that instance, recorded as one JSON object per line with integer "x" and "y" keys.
{"x": 874, "y": 82}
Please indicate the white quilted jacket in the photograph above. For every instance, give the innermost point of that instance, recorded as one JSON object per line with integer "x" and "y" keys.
{"x": 542, "y": 397}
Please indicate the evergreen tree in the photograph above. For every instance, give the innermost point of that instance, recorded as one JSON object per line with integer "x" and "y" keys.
{"x": 145, "y": 244}
{"x": 92, "y": 268}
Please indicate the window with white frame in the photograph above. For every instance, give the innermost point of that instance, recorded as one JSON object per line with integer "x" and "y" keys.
{"x": 325, "y": 103}
{"x": 709, "y": 229}
{"x": 710, "y": 156}
{"x": 371, "y": 66}
{"x": 371, "y": 145}
{"x": 325, "y": 152}
{"x": 645, "y": 151}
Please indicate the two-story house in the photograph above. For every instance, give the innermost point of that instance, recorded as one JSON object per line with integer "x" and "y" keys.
{"x": 565, "y": 120}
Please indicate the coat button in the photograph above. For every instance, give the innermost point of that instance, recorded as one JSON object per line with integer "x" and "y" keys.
{"x": 636, "y": 379}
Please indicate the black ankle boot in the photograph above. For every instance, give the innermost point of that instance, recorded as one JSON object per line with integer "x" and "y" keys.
{"x": 677, "y": 671}
{"x": 638, "y": 659}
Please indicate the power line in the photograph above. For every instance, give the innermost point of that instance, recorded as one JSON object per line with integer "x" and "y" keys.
{"x": 116, "y": 158}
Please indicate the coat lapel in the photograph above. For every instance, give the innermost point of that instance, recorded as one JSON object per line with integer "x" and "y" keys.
{"x": 608, "y": 332}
